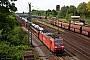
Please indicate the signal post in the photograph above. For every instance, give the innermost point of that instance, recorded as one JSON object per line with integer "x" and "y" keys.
{"x": 29, "y": 24}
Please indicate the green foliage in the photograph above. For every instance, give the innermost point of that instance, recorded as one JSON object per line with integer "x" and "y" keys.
{"x": 7, "y": 24}
{"x": 63, "y": 11}
{"x": 12, "y": 7}
{"x": 17, "y": 37}
{"x": 50, "y": 16}
{"x": 13, "y": 42}
{"x": 87, "y": 21}
{"x": 15, "y": 45}
{"x": 54, "y": 13}
{"x": 12, "y": 52}
{"x": 44, "y": 13}
{"x": 58, "y": 15}
{"x": 72, "y": 9}
{"x": 88, "y": 6}
{"x": 81, "y": 9}
{"x": 8, "y": 5}
{"x": 3, "y": 9}
{"x": 34, "y": 12}
{"x": 68, "y": 18}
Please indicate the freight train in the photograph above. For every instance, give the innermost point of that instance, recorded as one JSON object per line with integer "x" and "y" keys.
{"x": 53, "y": 42}
{"x": 85, "y": 30}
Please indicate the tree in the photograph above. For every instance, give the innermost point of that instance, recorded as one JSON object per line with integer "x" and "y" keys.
{"x": 17, "y": 37}
{"x": 13, "y": 42}
{"x": 8, "y": 5}
{"x": 81, "y": 9}
{"x": 72, "y": 10}
{"x": 49, "y": 12}
{"x": 58, "y": 15}
{"x": 54, "y": 13}
{"x": 7, "y": 19}
{"x": 7, "y": 24}
{"x": 12, "y": 52}
{"x": 12, "y": 7}
{"x": 88, "y": 6}
{"x": 63, "y": 11}
{"x": 34, "y": 12}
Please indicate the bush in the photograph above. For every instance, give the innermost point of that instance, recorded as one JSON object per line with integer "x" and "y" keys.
{"x": 12, "y": 52}
{"x": 17, "y": 37}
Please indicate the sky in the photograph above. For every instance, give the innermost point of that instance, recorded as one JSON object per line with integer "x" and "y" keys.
{"x": 22, "y": 5}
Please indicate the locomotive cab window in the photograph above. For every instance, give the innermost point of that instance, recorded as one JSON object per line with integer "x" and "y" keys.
{"x": 58, "y": 42}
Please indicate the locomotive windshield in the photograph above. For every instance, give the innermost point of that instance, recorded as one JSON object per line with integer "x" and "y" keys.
{"x": 58, "y": 42}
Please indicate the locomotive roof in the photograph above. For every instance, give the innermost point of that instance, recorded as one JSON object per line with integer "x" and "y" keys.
{"x": 49, "y": 34}
{"x": 53, "y": 36}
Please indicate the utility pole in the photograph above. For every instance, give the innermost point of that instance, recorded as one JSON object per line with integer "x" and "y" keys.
{"x": 29, "y": 24}
{"x": 74, "y": 11}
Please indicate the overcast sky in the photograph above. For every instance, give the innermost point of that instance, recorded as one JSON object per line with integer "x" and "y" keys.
{"x": 22, "y": 5}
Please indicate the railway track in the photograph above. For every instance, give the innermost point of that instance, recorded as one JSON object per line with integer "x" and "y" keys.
{"x": 49, "y": 55}
{"x": 75, "y": 44}
{"x": 75, "y": 41}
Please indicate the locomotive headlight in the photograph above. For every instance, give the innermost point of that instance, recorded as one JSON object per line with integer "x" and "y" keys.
{"x": 55, "y": 46}
{"x": 62, "y": 46}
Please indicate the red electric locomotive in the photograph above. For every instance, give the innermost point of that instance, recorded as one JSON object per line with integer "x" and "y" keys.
{"x": 52, "y": 41}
